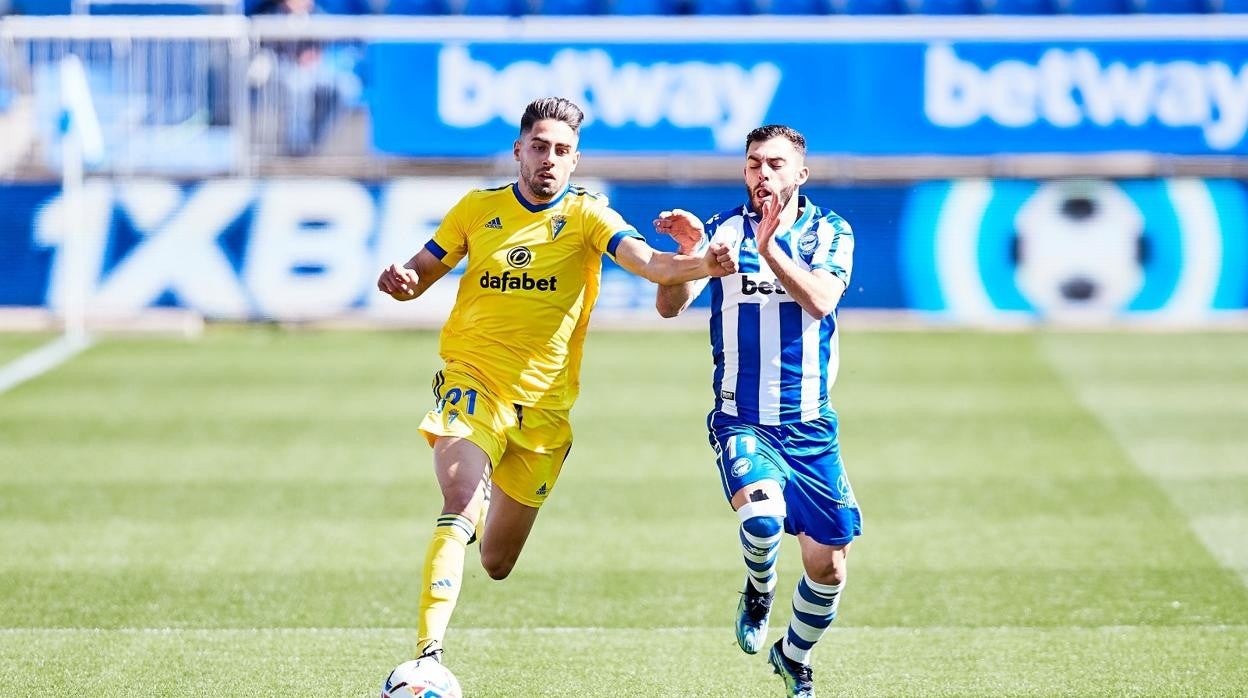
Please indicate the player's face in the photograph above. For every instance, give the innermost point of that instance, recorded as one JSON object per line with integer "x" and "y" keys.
{"x": 547, "y": 155}
{"x": 773, "y": 168}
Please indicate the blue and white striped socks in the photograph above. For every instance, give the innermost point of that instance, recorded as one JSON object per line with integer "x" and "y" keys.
{"x": 814, "y": 609}
{"x": 762, "y": 527}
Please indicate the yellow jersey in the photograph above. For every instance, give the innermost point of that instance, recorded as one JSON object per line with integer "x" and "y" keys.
{"x": 533, "y": 275}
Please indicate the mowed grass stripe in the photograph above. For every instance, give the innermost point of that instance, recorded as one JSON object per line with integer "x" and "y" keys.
{"x": 562, "y": 545}
{"x": 1178, "y": 404}
{"x": 386, "y": 597}
{"x": 611, "y": 662}
{"x": 995, "y": 497}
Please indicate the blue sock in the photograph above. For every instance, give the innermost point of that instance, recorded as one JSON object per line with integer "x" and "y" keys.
{"x": 762, "y": 527}
{"x": 814, "y": 609}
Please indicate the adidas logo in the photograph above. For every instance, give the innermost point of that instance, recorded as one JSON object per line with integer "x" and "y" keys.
{"x": 441, "y": 584}
{"x": 541, "y": 491}
{"x": 496, "y": 223}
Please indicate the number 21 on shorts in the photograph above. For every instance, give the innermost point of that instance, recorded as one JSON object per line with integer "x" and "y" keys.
{"x": 454, "y": 395}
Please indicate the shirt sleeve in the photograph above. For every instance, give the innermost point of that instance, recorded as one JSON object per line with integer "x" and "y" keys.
{"x": 834, "y": 251}
{"x": 450, "y": 241}
{"x": 605, "y": 229}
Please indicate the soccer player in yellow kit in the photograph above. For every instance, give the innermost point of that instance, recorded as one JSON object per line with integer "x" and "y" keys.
{"x": 512, "y": 346}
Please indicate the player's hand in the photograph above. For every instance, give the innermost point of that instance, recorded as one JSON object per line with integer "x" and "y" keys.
{"x": 682, "y": 226}
{"x": 718, "y": 260}
{"x": 398, "y": 282}
{"x": 768, "y": 222}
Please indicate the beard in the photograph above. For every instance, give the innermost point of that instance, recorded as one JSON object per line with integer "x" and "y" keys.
{"x": 545, "y": 188}
{"x": 784, "y": 195}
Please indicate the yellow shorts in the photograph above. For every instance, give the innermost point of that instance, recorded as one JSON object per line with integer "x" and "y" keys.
{"x": 526, "y": 445}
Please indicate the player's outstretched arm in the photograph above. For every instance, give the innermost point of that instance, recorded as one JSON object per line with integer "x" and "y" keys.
{"x": 666, "y": 268}
{"x": 673, "y": 300}
{"x": 403, "y": 283}
{"x": 688, "y": 232}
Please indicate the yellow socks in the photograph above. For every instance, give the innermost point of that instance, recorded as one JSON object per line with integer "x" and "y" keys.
{"x": 443, "y": 574}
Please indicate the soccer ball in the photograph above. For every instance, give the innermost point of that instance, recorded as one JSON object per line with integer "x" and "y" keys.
{"x": 1080, "y": 248}
{"x": 421, "y": 678}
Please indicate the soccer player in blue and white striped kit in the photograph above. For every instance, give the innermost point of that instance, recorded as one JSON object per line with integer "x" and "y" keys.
{"x": 774, "y": 343}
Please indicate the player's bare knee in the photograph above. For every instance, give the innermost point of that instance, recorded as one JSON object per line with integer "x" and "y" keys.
{"x": 833, "y": 571}
{"x": 498, "y": 567}
{"x": 761, "y": 491}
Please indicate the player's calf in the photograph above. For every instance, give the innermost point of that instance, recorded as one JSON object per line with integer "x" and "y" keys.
{"x": 762, "y": 526}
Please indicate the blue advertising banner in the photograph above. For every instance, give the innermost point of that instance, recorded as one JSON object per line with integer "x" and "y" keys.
{"x": 1080, "y": 249}
{"x": 968, "y": 250}
{"x": 960, "y": 96}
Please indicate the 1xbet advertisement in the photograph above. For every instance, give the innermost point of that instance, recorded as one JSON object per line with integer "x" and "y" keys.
{"x": 976, "y": 251}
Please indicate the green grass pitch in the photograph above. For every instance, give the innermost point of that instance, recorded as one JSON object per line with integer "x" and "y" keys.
{"x": 245, "y": 515}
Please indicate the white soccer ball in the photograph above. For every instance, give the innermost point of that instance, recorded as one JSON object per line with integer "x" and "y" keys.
{"x": 421, "y": 678}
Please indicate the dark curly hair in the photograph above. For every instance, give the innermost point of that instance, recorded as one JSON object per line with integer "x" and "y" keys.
{"x": 770, "y": 131}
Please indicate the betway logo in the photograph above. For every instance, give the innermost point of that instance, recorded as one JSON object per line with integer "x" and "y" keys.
{"x": 749, "y": 287}
{"x": 726, "y": 98}
{"x": 507, "y": 282}
{"x": 1066, "y": 88}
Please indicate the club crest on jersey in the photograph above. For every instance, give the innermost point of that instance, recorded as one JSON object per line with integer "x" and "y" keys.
{"x": 740, "y": 467}
{"x": 808, "y": 241}
{"x": 556, "y": 225}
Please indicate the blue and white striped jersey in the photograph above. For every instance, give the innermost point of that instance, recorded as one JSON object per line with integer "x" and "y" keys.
{"x": 774, "y": 362}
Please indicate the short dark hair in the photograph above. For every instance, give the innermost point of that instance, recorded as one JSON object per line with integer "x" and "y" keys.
{"x": 770, "y": 131}
{"x": 556, "y": 108}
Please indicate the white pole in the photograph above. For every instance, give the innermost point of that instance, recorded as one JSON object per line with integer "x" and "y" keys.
{"x": 75, "y": 305}
{"x": 80, "y": 140}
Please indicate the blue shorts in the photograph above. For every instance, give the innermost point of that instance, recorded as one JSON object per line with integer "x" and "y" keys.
{"x": 805, "y": 458}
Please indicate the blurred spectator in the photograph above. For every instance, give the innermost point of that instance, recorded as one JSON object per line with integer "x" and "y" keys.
{"x": 300, "y": 85}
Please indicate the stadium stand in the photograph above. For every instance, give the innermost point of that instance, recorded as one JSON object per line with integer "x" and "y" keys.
{"x": 1094, "y": 7}
{"x": 571, "y": 8}
{"x": 1019, "y": 7}
{"x": 633, "y": 8}
{"x": 872, "y": 7}
{"x": 498, "y": 8}
{"x": 945, "y": 7}
{"x": 636, "y": 8}
{"x": 1172, "y": 7}
{"x": 6, "y": 93}
{"x": 417, "y": 7}
{"x": 644, "y": 8}
{"x": 42, "y": 7}
{"x": 723, "y": 7}
{"x": 794, "y": 7}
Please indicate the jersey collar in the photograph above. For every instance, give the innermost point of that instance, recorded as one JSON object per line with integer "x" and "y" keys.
{"x": 515, "y": 189}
